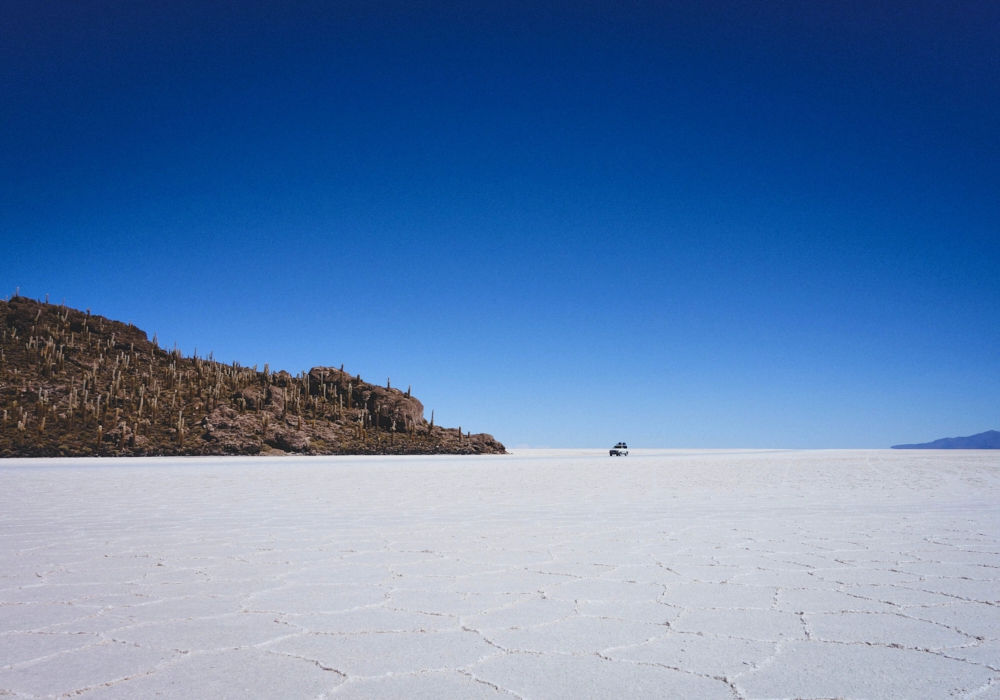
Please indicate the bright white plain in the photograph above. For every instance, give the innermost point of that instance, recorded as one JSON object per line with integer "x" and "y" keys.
{"x": 543, "y": 574}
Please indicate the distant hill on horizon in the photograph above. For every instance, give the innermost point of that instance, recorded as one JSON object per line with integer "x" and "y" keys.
{"x": 990, "y": 440}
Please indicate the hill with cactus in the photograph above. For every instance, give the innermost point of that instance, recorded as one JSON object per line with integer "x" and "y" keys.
{"x": 73, "y": 384}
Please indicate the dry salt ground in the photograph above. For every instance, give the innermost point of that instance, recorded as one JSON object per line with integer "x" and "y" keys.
{"x": 544, "y": 574}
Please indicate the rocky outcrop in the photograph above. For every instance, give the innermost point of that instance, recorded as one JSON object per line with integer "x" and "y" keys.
{"x": 390, "y": 406}
{"x": 76, "y": 384}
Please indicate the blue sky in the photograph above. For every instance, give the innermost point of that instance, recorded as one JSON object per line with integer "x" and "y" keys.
{"x": 693, "y": 224}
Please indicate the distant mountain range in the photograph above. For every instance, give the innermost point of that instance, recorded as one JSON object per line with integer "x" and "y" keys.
{"x": 990, "y": 440}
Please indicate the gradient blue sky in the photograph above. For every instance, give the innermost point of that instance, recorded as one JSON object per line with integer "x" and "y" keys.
{"x": 691, "y": 224}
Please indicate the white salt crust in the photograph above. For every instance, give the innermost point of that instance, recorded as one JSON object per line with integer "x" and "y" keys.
{"x": 544, "y": 574}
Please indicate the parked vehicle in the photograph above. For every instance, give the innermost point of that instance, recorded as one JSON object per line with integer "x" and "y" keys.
{"x": 619, "y": 450}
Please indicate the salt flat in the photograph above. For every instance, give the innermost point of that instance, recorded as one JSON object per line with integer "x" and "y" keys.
{"x": 544, "y": 574}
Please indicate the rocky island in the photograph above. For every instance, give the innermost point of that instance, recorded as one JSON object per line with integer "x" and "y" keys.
{"x": 73, "y": 384}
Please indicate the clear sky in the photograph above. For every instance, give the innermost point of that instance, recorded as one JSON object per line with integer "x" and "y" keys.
{"x": 690, "y": 224}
